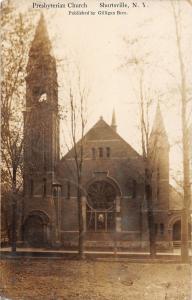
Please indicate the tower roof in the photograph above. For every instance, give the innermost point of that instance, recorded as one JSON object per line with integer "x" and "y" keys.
{"x": 113, "y": 121}
{"x": 41, "y": 42}
{"x": 158, "y": 128}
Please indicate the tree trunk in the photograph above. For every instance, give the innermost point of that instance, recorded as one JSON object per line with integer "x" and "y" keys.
{"x": 152, "y": 238}
{"x": 80, "y": 218}
{"x": 186, "y": 187}
{"x": 185, "y": 144}
{"x": 14, "y": 215}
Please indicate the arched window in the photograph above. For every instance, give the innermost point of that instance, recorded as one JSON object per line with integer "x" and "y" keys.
{"x": 101, "y": 206}
{"x": 54, "y": 192}
{"x": 43, "y": 97}
{"x": 100, "y": 152}
{"x": 101, "y": 195}
{"x": 93, "y": 153}
{"x": 108, "y": 152}
{"x": 161, "y": 228}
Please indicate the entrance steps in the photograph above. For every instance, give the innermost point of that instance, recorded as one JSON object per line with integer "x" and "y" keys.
{"x": 176, "y": 244}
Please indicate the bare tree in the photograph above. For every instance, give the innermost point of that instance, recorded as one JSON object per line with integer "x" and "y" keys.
{"x": 184, "y": 100}
{"x": 145, "y": 101}
{"x": 189, "y": 1}
{"x": 15, "y": 39}
{"x": 149, "y": 154}
{"x": 77, "y": 119}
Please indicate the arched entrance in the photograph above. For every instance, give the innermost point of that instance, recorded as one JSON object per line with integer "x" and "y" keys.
{"x": 35, "y": 229}
{"x": 177, "y": 231}
{"x": 101, "y": 206}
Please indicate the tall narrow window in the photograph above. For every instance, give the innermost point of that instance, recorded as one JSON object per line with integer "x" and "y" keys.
{"x": 44, "y": 187}
{"x": 55, "y": 192}
{"x": 68, "y": 190}
{"x": 134, "y": 191}
{"x": 156, "y": 228}
{"x": 108, "y": 152}
{"x": 157, "y": 192}
{"x": 44, "y": 149}
{"x": 161, "y": 228}
{"x": 31, "y": 187}
{"x": 100, "y": 152}
{"x": 93, "y": 153}
{"x": 158, "y": 182}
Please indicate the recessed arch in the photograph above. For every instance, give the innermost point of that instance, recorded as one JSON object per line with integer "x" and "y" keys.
{"x": 172, "y": 220}
{"x": 36, "y": 228}
{"x": 43, "y": 215}
{"x": 174, "y": 227}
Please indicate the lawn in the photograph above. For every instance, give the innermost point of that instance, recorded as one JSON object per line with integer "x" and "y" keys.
{"x": 59, "y": 279}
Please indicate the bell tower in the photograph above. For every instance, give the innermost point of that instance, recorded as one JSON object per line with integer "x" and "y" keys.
{"x": 159, "y": 146}
{"x": 41, "y": 127}
{"x": 159, "y": 156}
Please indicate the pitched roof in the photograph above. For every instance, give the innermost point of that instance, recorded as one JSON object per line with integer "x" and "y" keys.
{"x": 102, "y": 131}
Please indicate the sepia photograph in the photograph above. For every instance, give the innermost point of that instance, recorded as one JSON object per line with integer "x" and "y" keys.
{"x": 96, "y": 150}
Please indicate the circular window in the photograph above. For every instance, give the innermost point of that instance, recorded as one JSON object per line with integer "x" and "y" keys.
{"x": 101, "y": 195}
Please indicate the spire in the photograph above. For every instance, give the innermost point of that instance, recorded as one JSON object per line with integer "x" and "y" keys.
{"x": 158, "y": 128}
{"x": 41, "y": 68}
{"x": 158, "y": 124}
{"x": 113, "y": 121}
{"x": 41, "y": 42}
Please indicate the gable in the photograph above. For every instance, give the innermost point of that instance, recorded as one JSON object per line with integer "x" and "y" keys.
{"x": 102, "y": 135}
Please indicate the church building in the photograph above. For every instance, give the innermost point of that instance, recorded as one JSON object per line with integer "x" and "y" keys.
{"x": 113, "y": 177}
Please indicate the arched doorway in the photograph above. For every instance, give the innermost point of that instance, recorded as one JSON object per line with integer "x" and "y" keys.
{"x": 101, "y": 209}
{"x": 177, "y": 231}
{"x": 35, "y": 230}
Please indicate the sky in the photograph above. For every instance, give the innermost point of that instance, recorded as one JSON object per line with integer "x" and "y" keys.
{"x": 102, "y": 45}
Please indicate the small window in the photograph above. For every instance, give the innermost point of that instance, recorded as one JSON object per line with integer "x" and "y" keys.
{"x": 43, "y": 97}
{"x": 108, "y": 152}
{"x": 31, "y": 187}
{"x": 134, "y": 191}
{"x": 161, "y": 228}
{"x": 100, "y": 152}
{"x": 44, "y": 187}
{"x": 68, "y": 190}
{"x": 93, "y": 153}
